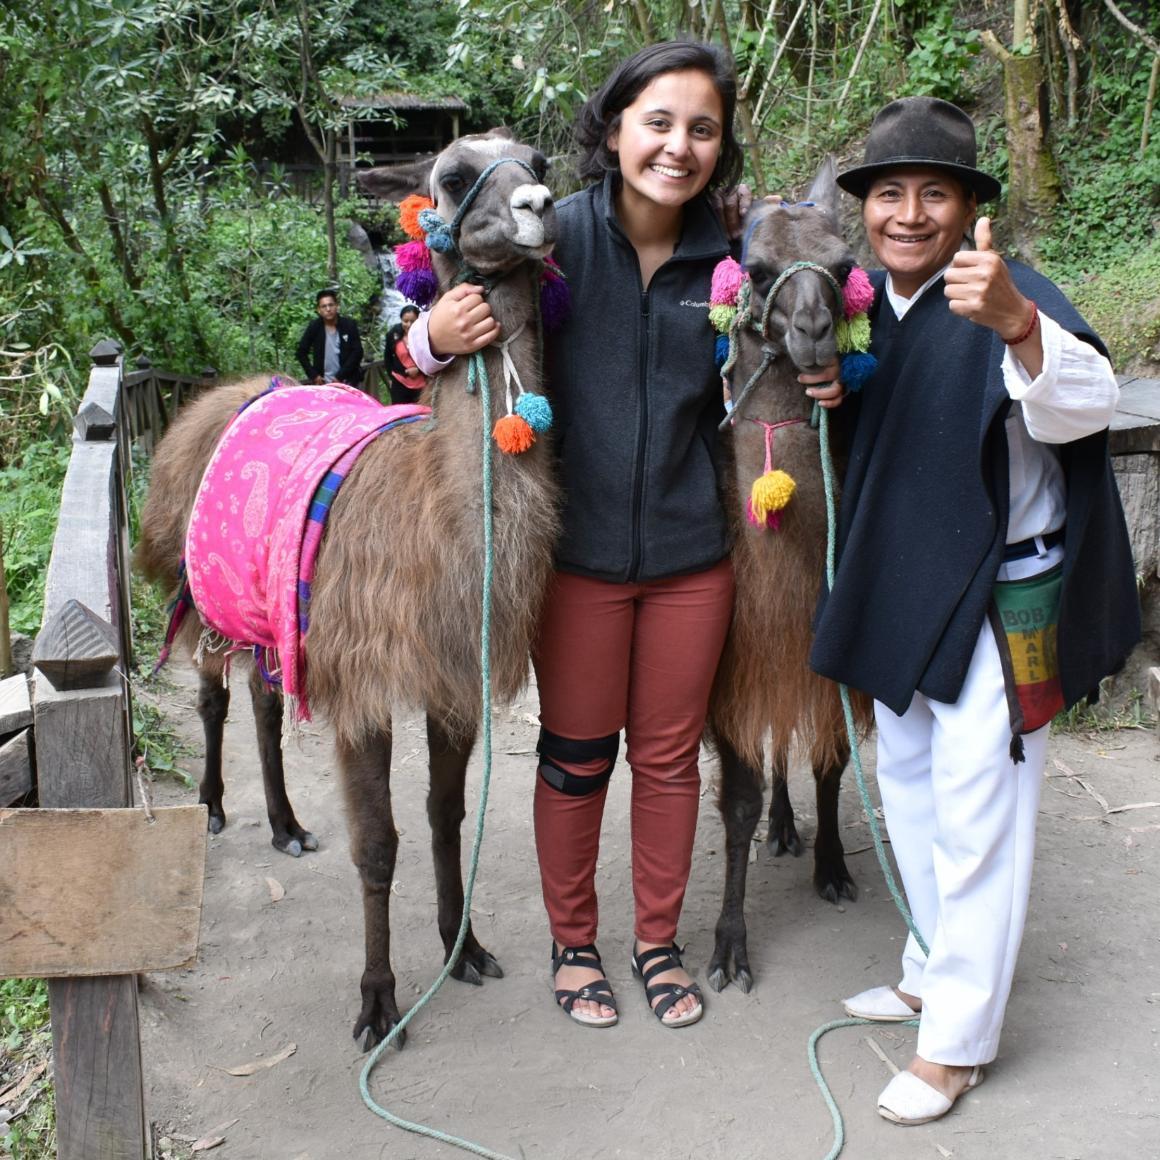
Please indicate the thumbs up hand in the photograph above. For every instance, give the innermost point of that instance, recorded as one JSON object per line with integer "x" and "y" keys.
{"x": 979, "y": 287}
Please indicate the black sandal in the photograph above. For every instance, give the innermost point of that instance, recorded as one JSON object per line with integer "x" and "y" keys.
{"x": 647, "y": 965}
{"x": 599, "y": 991}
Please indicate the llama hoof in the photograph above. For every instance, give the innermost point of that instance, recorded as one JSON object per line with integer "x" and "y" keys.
{"x": 294, "y": 844}
{"x": 836, "y": 885}
{"x": 473, "y": 966}
{"x": 378, "y": 1018}
{"x": 217, "y": 823}
{"x": 309, "y": 841}
{"x": 783, "y": 841}
{"x": 730, "y": 965}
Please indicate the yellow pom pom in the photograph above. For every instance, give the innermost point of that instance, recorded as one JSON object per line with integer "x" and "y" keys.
{"x": 513, "y": 435}
{"x": 771, "y": 493}
{"x": 722, "y": 318}
{"x": 409, "y": 210}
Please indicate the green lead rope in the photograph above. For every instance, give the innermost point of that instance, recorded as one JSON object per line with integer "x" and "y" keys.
{"x": 476, "y": 377}
{"x": 822, "y": 422}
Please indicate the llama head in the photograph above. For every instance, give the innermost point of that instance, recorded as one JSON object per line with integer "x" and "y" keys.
{"x": 797, "y": 254}
{"x": 489, "y": 189}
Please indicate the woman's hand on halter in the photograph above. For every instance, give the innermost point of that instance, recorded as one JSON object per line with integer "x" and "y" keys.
{"x": 461, "y": 322}
{"x": 825, "y": 388}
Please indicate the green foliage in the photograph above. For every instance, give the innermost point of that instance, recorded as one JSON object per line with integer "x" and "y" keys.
{"x": 26, "y": 1042}
{"x": 29, "y": 504}
{"x": 937, "y": 64}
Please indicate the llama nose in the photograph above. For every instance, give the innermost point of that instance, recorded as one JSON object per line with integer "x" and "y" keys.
{"x": 813, "y": 324}
{"x": 534, "y": 197}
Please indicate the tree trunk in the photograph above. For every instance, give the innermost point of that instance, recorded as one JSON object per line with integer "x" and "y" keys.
{"x": 1033, "y": 181}
{"x": 329, "y": 174}
{"x": 6, "y": 666}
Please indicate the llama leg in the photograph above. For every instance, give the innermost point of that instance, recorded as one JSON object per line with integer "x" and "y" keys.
{"x": 740, "y": 805}
{"x": 213, "y": 703}
{"x": 374, "y": 844}
{"x": 783, "y": 833}
{"x": 831, "y": 878}
{"x": 445, "y": 811}
{"x": 288, "y": 835}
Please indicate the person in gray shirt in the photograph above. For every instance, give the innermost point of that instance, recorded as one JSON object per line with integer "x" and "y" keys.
{"x": 330, "y": 349}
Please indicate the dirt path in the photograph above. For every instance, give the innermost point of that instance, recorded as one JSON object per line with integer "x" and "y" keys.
{"x": 1078, "y": 1077}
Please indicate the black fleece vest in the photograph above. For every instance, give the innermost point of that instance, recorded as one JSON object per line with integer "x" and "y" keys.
{"x": 925, "y": 507}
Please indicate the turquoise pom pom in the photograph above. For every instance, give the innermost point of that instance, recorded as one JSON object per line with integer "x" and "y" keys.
{"x": 438, "y": 232}
{"x": 535, "y": 410}
{"x": 721, "y": 350}
{"x": 856, "y": 370}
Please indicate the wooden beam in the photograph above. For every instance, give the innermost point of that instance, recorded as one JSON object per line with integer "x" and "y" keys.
{"x": 15, "y": 704}
{"x": 15, "y": 782}
{"x": 134, "y": 893}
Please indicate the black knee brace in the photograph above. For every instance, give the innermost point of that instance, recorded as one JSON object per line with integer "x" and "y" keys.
{"x": 553, "y": 748}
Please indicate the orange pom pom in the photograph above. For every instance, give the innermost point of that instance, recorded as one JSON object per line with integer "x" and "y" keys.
{"x": 513, "y": 435}
{"x": 409, "y": 209}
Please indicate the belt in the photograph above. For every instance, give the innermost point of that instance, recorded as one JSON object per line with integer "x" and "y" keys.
{"x": 1023, "y": 549}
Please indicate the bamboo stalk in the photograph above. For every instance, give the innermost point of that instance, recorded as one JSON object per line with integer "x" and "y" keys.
{"x": 766, "y": 25}
{"x": 1149, "y": 103}
{"x": 858, "y": 55}
{"x": 6, "y": 666}
{"x": 773, "y": 67}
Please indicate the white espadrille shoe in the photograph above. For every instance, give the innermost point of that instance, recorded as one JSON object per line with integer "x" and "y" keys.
{"x": 881, "y": 1004}
{"x": 908, "y": 1100}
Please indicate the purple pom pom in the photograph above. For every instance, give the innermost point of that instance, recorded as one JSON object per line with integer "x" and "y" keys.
{"x": 418, "y": 286}
{"x": 555, "y": 302}
{"x": 856, "y": 370}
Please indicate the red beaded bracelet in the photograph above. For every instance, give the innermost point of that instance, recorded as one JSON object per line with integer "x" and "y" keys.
{"x": 1030, "y": 327}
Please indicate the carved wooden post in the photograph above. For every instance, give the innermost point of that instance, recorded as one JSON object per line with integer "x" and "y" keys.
{"x": 82, "y": 741}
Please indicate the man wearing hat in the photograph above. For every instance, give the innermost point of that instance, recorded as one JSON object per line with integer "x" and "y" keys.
{"x": 985, "y": 578}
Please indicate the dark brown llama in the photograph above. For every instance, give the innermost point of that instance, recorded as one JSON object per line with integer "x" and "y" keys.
{"x": 396, "y": 599}
{"x": 764, "y": 687}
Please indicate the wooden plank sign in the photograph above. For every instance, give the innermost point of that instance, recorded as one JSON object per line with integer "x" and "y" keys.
{"x": 100, "y": 892}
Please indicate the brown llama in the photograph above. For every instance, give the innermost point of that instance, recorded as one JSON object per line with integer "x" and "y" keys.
{"x": 395, "y": 609}
{"x": 764, "y": 686}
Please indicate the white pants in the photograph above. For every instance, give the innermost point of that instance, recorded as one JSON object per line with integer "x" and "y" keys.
{"x": 961, "y": 816}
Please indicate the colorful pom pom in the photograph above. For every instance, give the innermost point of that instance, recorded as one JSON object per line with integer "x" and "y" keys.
{"x": 438, "y": 232}
{"x": 772, "y": 521}
{"x": 771, "y": 493}
{"x": 535, "y": 410}
{"x": 418, "y": 286}
{"x": 555, "y": 300}
{"x": 412, "y": 256}
{"x": 727, "y": 278}
{"x": 409, "y": 210}
{"x": 552, "y": 269}
{"x": 856, "y": 370}
{"x": 722, "y": 317}
{"x": 857, "y": 294}
{"x": 853, "y": 334}
{"x": 512, "y": 435}
{"x": 721, "y": 350}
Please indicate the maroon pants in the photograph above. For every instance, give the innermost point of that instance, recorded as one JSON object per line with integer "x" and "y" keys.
{"x": 637, "y": 657}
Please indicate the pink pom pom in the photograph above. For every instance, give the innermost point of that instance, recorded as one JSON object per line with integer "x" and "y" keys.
{"x": 552, "y": 271}
{"x": 727, "y": 278}
{"x": 857, "y": 294}
{"x": 413, "y": 256}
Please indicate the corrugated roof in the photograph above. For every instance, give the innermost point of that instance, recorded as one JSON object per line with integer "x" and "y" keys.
{"x": 403, "y": 101}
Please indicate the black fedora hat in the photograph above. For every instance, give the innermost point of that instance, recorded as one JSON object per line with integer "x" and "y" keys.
{"x": 921, "y": 131}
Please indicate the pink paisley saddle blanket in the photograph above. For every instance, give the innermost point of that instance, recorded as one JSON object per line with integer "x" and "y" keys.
{"x": 260, "y": 513}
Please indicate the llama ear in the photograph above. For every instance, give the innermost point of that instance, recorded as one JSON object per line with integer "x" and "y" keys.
{"x": 395, "y": 182}
{"x": 824, "y": 190}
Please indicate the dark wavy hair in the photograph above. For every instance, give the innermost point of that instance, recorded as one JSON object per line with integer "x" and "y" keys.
{"x": 601, "y": 113}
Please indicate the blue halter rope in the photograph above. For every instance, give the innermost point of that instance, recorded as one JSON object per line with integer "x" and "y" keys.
{"x": 443, "y": 237}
